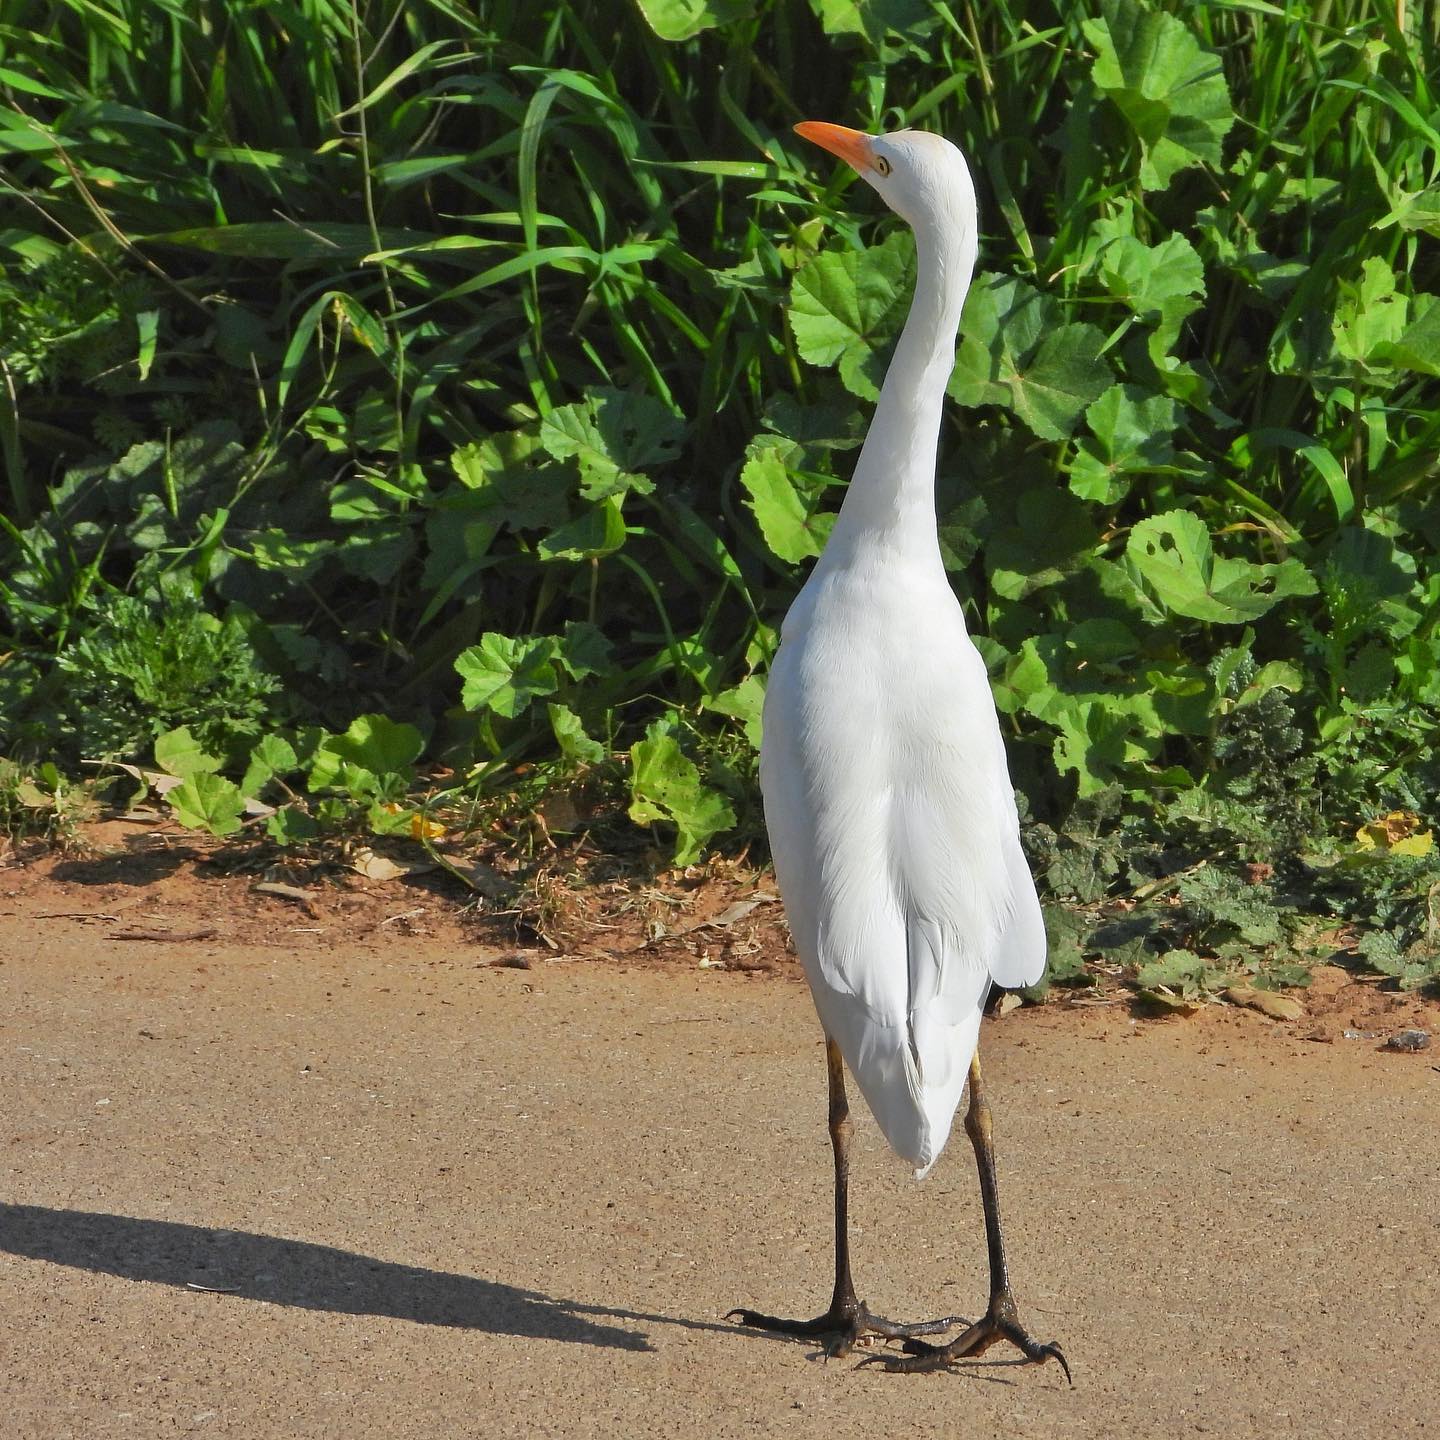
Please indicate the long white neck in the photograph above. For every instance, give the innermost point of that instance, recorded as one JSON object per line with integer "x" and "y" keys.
{"x": 891, "y": 498}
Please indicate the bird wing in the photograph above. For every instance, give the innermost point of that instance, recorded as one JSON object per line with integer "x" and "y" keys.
{"x": 896, "y": 846}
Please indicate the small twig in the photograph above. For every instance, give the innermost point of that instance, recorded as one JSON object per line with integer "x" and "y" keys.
{"x": 403, "y": 915}
{"x": 203, "y": 932}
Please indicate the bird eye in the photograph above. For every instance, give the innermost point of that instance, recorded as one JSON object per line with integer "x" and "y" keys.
{"x": 882, "y": 164}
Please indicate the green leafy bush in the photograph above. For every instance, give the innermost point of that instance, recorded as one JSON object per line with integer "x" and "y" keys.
{"x": 509, "y": 370}
{"x": 142, "y": 667}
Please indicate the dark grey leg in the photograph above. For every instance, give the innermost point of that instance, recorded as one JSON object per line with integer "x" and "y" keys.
{"x": 1001, "y": 1320}
{"x": 847, "y": 1320}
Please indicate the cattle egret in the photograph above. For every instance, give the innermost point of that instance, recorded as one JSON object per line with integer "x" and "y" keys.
{"x": 891, "y": 816}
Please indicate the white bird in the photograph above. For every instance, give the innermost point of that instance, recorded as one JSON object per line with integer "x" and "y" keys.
{"x": 888, "y": 801}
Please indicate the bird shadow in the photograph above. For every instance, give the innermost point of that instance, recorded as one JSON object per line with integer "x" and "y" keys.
{"x": 308, "y": 1276}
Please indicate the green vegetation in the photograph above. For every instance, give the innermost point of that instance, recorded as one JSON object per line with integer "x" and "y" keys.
{"x": 385, "y": 388}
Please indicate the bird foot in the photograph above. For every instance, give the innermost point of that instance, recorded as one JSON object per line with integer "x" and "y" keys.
{"x": 841, "y": 1328}
{"x": 1000, "y": 1322}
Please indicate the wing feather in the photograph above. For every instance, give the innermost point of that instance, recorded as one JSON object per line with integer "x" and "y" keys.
{"x": 896, "y": 845}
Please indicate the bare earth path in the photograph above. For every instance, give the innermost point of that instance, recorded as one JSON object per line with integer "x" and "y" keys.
{"x": 390, "y": 1192}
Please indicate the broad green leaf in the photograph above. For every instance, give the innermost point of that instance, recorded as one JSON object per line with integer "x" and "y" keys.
{"x": 1051, "y": 536}
{"x": 505, "y": 673}
{"x": 297, "y": 559}
{"x": 1170, "y": 90}
{"x": 575, "y": 745}
{"x": 272, "y": 755}
{"x": 875, "y": 19}
{"x": 1146, "y": 277}
{"x": 613, "y": 435}
{"x": 597, "y": 532}
{"x": 680, "y": 19}
{"x": 509, "y": 455}
{"x": 1415, "y": 210}
{"x": 1369, "y": 315}
{"x": 1172, "y": 552}
{"x": 744, "y": 702}
{"x": 1050, "y": 388}
{"x": 178, "y": 752}
{"x": 1181, "y": 970}
{"x": 1370, "y": 673}
{"x": 206, "y": 801}
{"x": 1418, "y": 346}
{"x": 377, "y": 552}
{"x": 846, "y": 307}
{"x": 1096, "y": 736}
{"x": 1015, "y": 351}
{"x": 793, "y": 527}
{"x": 290, "y": 825}
{"x": 833, "y": 425}
{"x": 666, "y": 786}
{"x": 1365, "y": 560}
{"x": 371, "y": 750}
{"x": 242, "y": 338}
{"x": 1273, "y": 675}
{"x": 1130, "y": 434}
{"x": 585, "y": 649}
{"x": 505, "y": 482}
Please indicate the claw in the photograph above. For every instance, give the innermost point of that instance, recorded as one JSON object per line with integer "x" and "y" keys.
{"x": 921, "y": 1357}
{"x": 1053, "y": 1351}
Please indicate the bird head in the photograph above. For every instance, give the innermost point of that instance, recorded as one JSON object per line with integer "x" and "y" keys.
{"x": 923, "y": 178}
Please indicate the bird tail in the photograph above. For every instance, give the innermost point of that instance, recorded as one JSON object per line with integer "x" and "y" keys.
{"x": 912, "y": 1075}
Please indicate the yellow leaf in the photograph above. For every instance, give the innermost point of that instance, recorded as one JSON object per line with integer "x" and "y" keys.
{"x": 1398, "y": 833}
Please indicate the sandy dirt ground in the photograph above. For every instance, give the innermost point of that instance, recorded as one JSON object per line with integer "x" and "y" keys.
{"x": 386, "y": 1188}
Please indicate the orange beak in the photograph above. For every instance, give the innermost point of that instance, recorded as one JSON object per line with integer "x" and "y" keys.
{"x": 852, "y": 146}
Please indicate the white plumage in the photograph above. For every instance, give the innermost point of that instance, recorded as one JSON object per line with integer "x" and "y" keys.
{"x": 887, "y": 796}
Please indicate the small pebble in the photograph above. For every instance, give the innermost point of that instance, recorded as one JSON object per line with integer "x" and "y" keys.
{"x": 1409, "y": 1040}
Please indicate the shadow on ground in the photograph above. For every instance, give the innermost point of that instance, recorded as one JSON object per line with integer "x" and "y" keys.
{"x": 140, "y": 863}
{"x": 311, "y": 1277}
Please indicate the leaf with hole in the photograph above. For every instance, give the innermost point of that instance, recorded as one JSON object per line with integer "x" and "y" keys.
{"x": 1173, "y": 555}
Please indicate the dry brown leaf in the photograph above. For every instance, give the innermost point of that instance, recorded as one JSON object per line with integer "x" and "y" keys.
{"x": 1267, "y": 1002}
{"x": 374, "y": 866}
